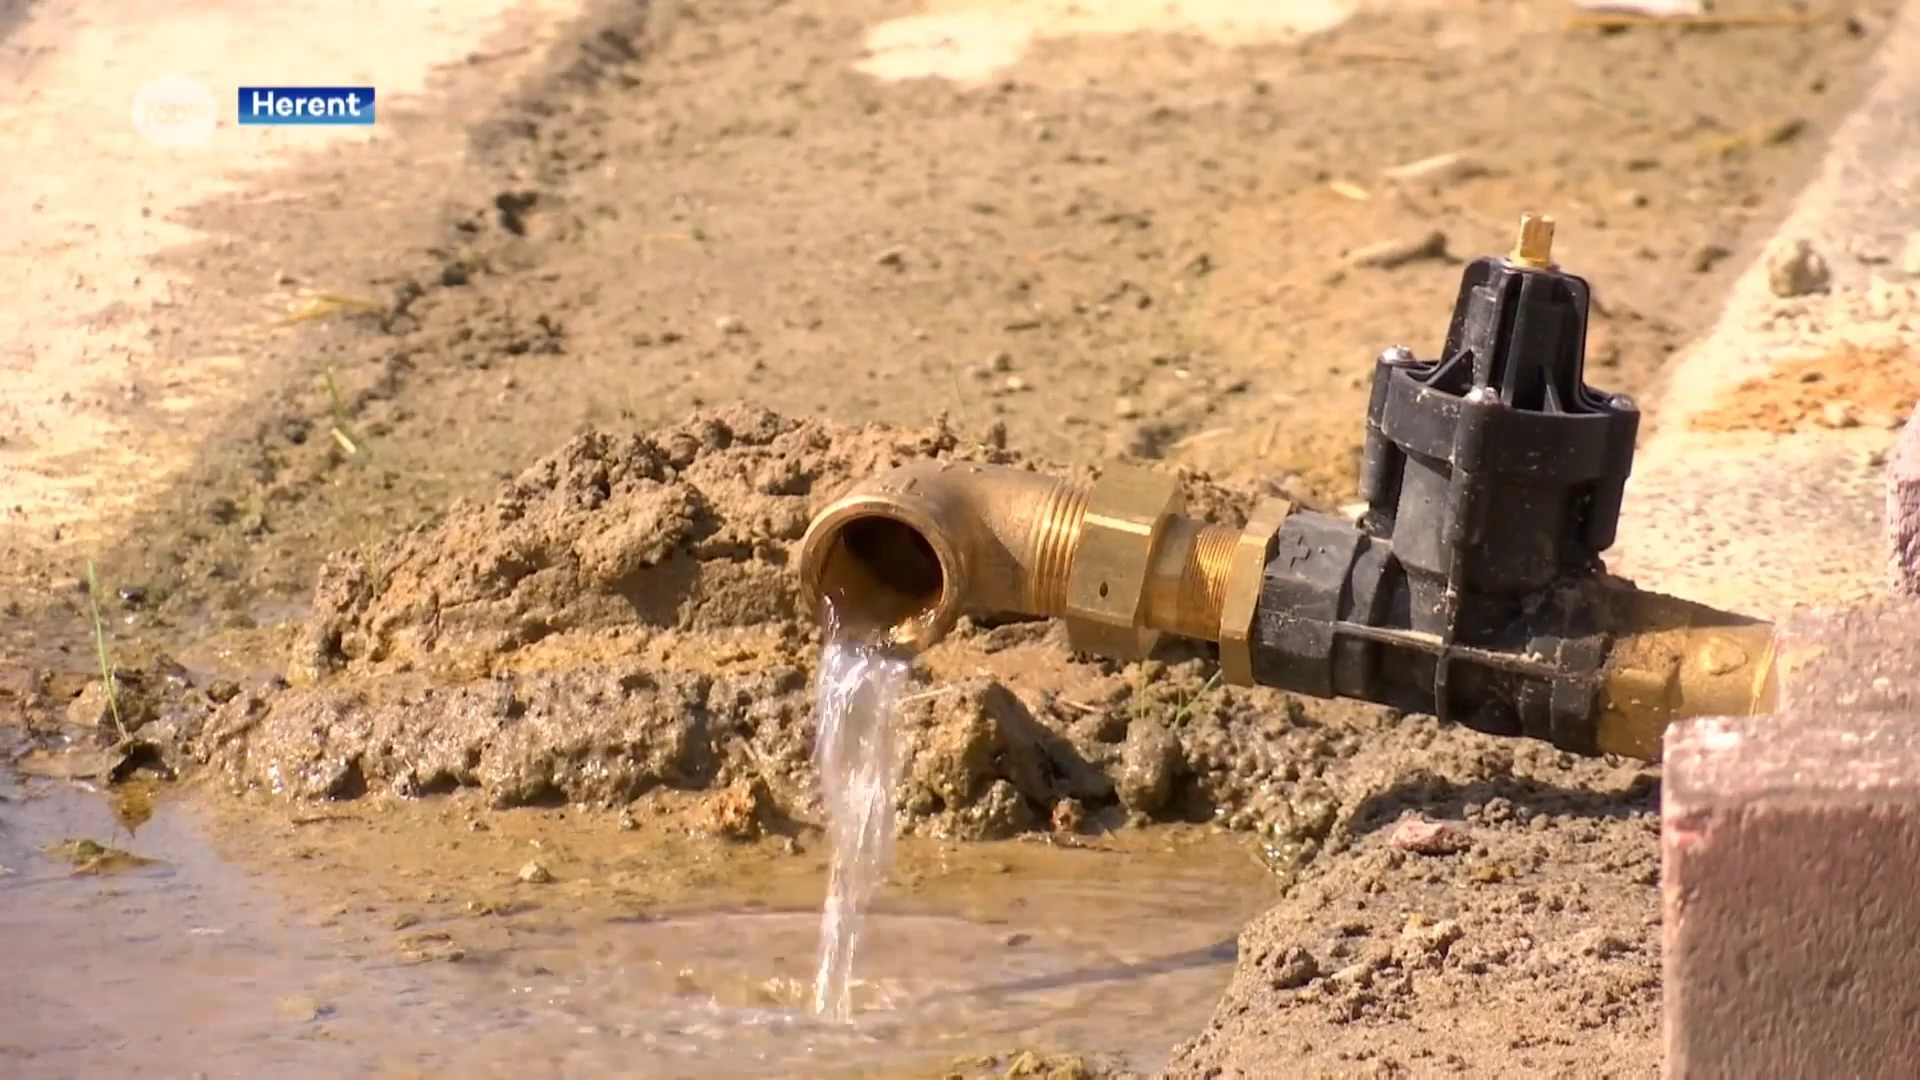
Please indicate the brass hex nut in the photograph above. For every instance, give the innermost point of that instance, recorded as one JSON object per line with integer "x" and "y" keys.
{"x": 1127, "y": 512}
{"x": 1240, "y": 599}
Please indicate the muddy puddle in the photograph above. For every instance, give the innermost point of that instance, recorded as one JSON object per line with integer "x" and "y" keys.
{"x": 166, "y": 952}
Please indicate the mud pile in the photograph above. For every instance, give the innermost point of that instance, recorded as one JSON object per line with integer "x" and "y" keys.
{"x": 686, "y": 530}
{"x": 624, "y": 616}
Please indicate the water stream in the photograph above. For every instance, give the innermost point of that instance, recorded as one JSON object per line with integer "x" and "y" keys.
{"x": 859, "y": 767}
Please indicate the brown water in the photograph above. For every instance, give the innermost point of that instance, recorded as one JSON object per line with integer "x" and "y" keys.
{"x": 197, "y": 966}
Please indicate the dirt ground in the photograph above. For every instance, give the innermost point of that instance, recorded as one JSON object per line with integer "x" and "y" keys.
{"x": 541, "y": 583}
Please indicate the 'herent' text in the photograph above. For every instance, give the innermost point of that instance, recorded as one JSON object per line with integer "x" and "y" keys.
{"x": 266, "y": 103}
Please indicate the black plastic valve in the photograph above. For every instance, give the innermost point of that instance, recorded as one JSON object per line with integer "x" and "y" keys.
{"x": 1495, "y": 470}
{"x": 1493, "y": 479}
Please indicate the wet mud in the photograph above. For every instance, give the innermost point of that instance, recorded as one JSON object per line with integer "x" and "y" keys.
{"x": 633, "y": 952}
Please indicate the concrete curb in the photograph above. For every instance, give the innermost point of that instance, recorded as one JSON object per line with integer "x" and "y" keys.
{"x": 1766, "y": 523}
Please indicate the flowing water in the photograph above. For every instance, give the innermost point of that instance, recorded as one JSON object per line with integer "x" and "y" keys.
{"x": 859, "y": 766}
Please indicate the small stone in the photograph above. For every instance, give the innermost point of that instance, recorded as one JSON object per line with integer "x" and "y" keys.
{"x": 1069, "y": 816}
{"x": 1357, "y": 974}
{"x": 1795, "y": 269}
{"x": 730, "y": 324}
{"x": 536, "y": 873}
{"x": 1839, "y": 414}
{"x": 1014, "y": 384}
{"x": 1399, "y": 251}
{"x": 1420, "y": 836}
{"x": 893, "y": 258}
{"x": 1294, "y": 969}
{"x": 738, "y": 812}
{"x": 1000, "y": 362}
{"x": 94, "y": 708}
{"x": 1125, "y": 409}
{"x": 1439, "y": 169}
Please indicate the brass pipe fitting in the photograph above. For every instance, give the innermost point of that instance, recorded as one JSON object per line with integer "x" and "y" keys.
{"x": 1673, "y": 659}
{"x": 904, "y": 555}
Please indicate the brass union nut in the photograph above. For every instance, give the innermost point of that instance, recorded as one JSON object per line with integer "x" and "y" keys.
{"x": 1240, "y": 600}
{"x": 1127, "y": 511}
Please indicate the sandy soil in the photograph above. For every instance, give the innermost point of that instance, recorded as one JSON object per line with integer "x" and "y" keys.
{"x": 1080, "y": 238}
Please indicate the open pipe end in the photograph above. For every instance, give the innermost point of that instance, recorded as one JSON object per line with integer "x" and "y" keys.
{"x": 877, "y": 567}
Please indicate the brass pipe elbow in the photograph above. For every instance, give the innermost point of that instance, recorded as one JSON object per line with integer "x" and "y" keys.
{"x": 902, "y": 556}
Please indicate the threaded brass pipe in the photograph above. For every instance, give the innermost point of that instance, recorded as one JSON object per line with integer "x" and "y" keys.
{"x": 905, "y": 554}
{"x": 1188, "y": 580}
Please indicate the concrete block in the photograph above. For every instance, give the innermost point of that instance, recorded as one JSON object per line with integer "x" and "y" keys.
{"x": 1791, "y": 885}
{"x": 1864, "y": 658}
{"x": 1903, "y": 510}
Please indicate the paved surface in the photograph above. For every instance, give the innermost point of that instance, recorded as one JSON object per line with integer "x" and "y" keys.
{"x": 1762, "y": 522}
